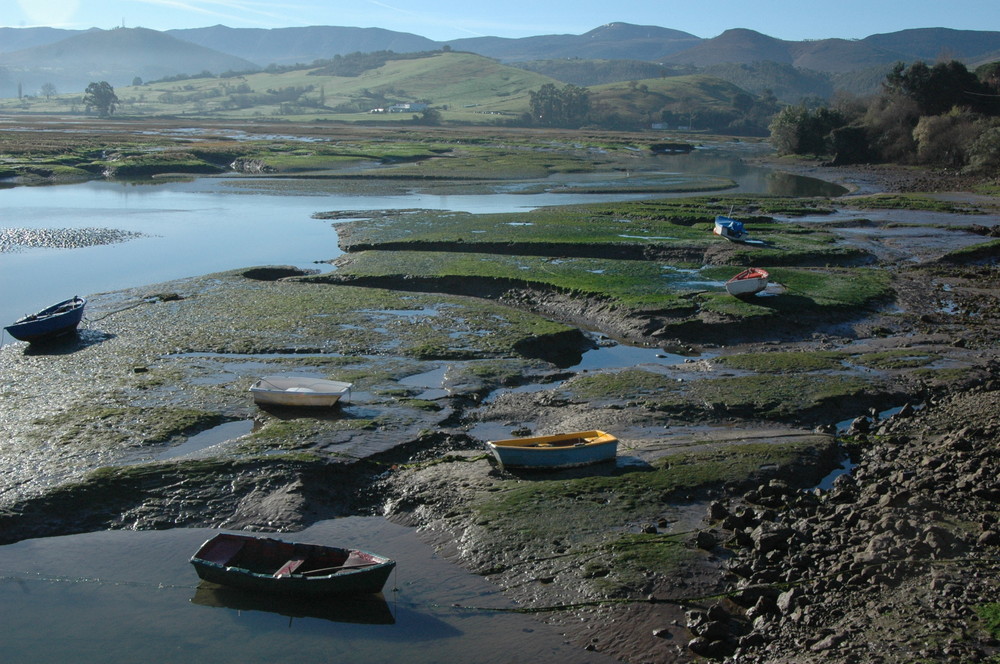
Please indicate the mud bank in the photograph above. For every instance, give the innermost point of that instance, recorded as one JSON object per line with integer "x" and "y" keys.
{"x": 893, "y": 562}
{"x": 684, "y": 548}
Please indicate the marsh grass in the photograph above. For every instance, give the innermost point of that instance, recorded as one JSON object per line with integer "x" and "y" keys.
{"x": 667, "y": 223}
{"x": 896, "y": 359}
{"x": 631, "y": 282}
{"x": 807, "y": 291}
{"x": 254, "y": 317}
{"x": 793, "y": 397}
{"x": 988, "y": 251}
{"x": 675, "y": 230}
{"x": 783, "y": 362}
{"x": 990, "y": 615}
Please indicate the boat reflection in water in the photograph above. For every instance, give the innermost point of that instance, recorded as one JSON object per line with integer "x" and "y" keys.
{"x": 365, "y": 610}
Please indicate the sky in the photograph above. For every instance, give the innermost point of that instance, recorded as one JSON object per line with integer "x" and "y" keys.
{"x": 444, "y": 20}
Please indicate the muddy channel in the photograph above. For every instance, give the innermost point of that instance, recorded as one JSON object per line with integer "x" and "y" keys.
{"x": 143, "y": 421}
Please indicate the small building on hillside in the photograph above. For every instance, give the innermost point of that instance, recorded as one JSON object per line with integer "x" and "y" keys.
{"x": 408, "y": 108}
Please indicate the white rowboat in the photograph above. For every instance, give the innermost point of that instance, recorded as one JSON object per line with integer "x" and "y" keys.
{"x": 748, "y": 282}
{"x": 298, "y": 391}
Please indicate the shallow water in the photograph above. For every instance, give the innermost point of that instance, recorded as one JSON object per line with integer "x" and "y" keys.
{"x": 120, "y": 596}
{"x": 189, "y": 228}
{"x": 127, "y": 596}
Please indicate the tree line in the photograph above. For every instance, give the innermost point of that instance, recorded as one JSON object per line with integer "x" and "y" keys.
{"x": 570, "y": 107}
{"x": 942, "y": 115}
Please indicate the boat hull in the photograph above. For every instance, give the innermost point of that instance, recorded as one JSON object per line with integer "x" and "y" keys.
{"x": 298, "y": 392}
{"x": 50, "y": 323}
{"x": 731, "y": 229}
{"x": 268, "y": 565}
{"x": 568, "y": 450}
{"x": 748, "y": 282}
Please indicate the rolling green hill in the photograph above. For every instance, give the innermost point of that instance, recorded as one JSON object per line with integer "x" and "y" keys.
{"x": 462, "y": 86}
{"x": 36, "y": 59}
{"x": 459, "y": 87}
{"x": 648, "y": 99}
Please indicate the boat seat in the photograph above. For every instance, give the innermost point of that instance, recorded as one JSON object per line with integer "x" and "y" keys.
{"x": 289, "y": 568}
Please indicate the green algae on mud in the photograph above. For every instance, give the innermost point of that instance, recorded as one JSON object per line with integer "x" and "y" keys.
{"x": 601, "y": 513}
{"x": 163, "y": 369}
{"x": 637, "y": 287}
{"x": 805, "y": 399}
{"x": 228, "y": 314}
{"x": 783, "y": 361}
{"x": 649, "y": 225}
{"x": 87, "y": 427}
{"x": 257, "y": 493}
{"x": 901, "y": 358}
{"x": 916, "y": 202}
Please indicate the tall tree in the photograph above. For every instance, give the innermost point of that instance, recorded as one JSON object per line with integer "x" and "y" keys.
{"x": 101, "y": 97}
{"x": 939, "y": 88}
{"x": 552, "y": 107}
{"x": 799, "y": 130}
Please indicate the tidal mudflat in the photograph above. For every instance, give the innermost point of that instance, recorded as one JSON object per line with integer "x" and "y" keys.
{"x": 729, "y": 417}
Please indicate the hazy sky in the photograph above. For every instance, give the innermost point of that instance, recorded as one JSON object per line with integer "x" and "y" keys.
{"x": 443, "y": 20}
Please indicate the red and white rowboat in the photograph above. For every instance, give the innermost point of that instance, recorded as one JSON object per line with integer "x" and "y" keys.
{"x": 749, "y": 281}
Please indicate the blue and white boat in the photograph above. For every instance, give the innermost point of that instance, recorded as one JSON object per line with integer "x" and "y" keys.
{"x": 60, "y": 319}
{"x": 564, "y": 450}
{"x": 729, "y": 228}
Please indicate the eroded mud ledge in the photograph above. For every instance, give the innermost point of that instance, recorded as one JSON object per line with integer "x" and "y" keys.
{"x": 910, "y": 536}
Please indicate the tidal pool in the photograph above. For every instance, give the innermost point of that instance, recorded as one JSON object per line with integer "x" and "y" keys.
{"x": 126, "y": 596}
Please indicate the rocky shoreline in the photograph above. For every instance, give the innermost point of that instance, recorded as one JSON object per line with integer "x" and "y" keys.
{"x": 887, "y": 565}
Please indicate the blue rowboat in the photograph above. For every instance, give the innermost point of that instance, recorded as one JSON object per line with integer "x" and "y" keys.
{"x": 55, "y": 321}
{"x": 565, "y": 450}
{"x": 291, "y": 568}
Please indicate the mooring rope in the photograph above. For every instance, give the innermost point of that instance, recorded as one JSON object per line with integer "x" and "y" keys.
{"x": 118, "y": 311}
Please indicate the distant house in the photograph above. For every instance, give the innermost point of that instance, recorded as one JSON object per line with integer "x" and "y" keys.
{"x": 408, "y": 108}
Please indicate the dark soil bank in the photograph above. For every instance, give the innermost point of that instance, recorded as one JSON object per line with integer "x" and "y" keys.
{"x": 708, "y": 538}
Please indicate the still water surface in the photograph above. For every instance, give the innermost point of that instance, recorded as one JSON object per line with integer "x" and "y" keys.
{"x": 189, "y": 228}
{"x": 125, "y": 596}
{"x": 132, "y": 596}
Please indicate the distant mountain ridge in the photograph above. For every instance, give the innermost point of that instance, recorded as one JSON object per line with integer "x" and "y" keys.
{"x": 614, "y": 41}
{"x": 117, "y": 56}
{"x": 288, "y": 46}
{"x": 32, "y": 57}
{"x": 842, "y": 55}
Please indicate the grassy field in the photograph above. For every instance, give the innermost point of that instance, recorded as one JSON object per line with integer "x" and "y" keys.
{"x": 463, "y": 88}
